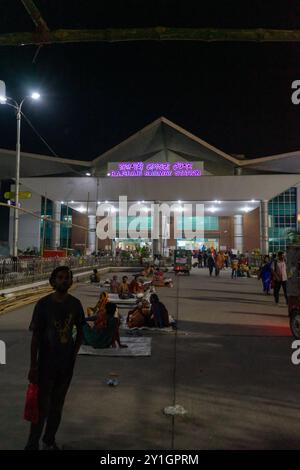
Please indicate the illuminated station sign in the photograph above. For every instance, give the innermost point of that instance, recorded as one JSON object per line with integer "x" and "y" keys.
{"x": 128, "y": 169}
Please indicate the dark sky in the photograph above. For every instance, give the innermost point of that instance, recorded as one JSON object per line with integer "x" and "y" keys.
{"x": 236, "y": 96}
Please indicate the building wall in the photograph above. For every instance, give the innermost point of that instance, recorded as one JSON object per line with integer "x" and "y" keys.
{"x": 78, "y": 236}
{"x": 252, "y": 230}
{"x": 226, "y": 232}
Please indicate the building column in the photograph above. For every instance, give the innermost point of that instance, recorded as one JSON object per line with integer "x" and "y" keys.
{"x": 156, "y": 231}
{"x": 264, "y": 228}
{"x": 238, "y": 233}
{"x": 55, "y": 235}
{"x": 156, "y": 246}
{"x": 91, "y": 234}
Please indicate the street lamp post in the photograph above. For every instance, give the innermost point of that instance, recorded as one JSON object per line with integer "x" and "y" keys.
{"x": 18, "y": 107}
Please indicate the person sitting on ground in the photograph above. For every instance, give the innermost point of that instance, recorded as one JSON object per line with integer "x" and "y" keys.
{"x": 114, "y": 285}
{"x": 136, "y": 287}
{"x": 139, "y": 316}
{"x": 98, "y": 312}
{"x": 148, "y": 271}
{"x": 95, "y": 277}
{"x": 123, "y": 290}
{"x": 159, "y": 279}
{"x": 105, "y": 330}
{"x": 243, "y": 266}
{"x": 158, "y": 312}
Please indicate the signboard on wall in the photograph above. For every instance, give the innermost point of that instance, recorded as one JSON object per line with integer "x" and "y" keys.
{"x": 22, "y": 195}
{"x": 129, "y": 169}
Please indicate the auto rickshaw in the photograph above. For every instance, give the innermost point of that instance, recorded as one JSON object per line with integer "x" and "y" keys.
{"x": 182, "y": 261}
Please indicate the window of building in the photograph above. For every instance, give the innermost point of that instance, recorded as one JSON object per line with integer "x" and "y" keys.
{"x": 282, "y": 219}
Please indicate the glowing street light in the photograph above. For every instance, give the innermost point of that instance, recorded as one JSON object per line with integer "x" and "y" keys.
{"x": 35, "y": 95}
{"x": 5, "y": 100}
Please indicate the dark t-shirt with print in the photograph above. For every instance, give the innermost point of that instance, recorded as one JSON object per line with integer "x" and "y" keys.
{"x": 54, "y": 323}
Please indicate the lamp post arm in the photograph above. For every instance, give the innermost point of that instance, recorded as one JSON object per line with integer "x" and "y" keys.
{"x": 11, "y": 102}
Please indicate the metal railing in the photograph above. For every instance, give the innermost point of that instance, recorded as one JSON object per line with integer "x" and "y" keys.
{"x": 29, "y": 270}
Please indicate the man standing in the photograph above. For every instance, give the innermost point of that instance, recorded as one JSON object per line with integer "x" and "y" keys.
{"x": 219, "y": 262}
{"x": 210, "y": 263}
{"x": 200, "y": 259}
{"x": 279, "y": 276}
{"x": 53, "y": 354}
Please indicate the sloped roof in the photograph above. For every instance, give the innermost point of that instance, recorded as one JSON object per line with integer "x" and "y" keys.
{"x": 160, "y": 140}
{"x": 38, "y": 165}
{"x": 162, "y": 135}
{"x": 282, "y": 163}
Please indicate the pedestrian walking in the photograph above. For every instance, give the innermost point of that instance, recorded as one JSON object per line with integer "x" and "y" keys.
{"x": 210, "y": 263}
{"x": 279, "y": 276}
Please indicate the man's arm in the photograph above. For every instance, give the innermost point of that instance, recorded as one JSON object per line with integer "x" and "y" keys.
{"x": 79, "y": 327}
{"x": 79, "y": 338}
{"x": 33, "y": 371}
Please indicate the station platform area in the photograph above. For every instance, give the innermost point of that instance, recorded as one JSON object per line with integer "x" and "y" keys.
{"x": 228, "y": 364}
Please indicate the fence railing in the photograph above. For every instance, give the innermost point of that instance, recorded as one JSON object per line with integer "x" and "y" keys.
{"x": 28, "y": 270}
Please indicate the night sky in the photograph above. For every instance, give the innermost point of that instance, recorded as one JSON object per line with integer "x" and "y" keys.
{"x": 236, "y": 96}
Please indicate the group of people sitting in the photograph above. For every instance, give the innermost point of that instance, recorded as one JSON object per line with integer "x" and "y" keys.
{"x": 139, "y": 283}
{"x": 239, "y": 266}
{"x": 156, "y": 276}
{"x": 102, "y": 324}
{"x": 101, "y": 329}
{"x": 154, "y": 315}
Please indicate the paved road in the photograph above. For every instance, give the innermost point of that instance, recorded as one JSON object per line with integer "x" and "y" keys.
{"x": 229, "y": 366}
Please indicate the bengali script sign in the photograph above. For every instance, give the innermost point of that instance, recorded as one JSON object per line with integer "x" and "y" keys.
{"x": 128, "y": 169}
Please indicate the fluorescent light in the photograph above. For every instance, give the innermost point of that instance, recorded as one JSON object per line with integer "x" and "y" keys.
{"x": 88, "y": 174}
{"x": 212, "y": 209}
{"x": 35, "y": 95}
{"x": 62, "y": 202}
{"x": 108, "y": 174}
{"x": 217, "y": 202}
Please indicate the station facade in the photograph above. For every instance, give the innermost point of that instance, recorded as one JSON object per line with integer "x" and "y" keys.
{"x": 248, "y": 204}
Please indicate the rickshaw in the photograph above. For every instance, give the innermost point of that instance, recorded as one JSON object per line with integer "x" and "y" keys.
{"x": 182, "y": 261}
